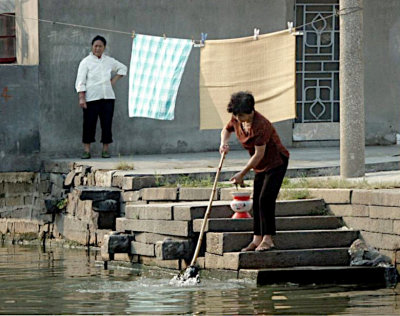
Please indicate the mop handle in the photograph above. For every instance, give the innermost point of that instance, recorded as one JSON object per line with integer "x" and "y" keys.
{"x": 196, "y": 253}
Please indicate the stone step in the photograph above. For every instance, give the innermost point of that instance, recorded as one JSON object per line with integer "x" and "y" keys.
{"x": 98, "y": 193}
{"x": 379, "y": 276}
{"x": 278, "y": 259}
{"x": 219, "y": 243}
{"x": 220, "y": 209}
{"x": 164, "y": 227}
{"x": 282, "y": 223}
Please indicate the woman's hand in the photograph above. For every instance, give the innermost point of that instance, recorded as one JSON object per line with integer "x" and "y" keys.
{"x": 238, "y": 179}
{"x": 82, "y": 103}
{"x": 224, "y": 148}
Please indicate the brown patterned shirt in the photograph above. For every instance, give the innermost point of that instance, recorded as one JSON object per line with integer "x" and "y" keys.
{"x": 261, "y": 133}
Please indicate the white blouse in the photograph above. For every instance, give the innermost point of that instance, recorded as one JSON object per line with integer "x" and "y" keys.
{"x": 94, "y": 76}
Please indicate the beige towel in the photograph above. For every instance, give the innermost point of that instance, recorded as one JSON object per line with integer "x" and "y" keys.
{"x": 265, "y": 67}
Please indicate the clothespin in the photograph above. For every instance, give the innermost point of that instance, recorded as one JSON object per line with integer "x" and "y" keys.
{"x": 291, "y": 29}
{"x": 203, "y": 38}
{"x": 133, "y": 34}
{"x": 256, "y": 33}
{"x": 165, "y": 36}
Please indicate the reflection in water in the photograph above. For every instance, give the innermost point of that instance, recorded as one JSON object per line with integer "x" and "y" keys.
{"x": 68, "y": 281}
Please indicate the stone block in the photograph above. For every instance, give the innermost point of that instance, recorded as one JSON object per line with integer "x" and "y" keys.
{"x": 138, "y": 248}
{"x": 103, "y": 178}
{"x": 360, "y": 210}
{"x": 382, "y": 241}
{"x": 98, "y": 193}
{"x": 168, "y": 264}
{"x": 340, "y": 209}
{"x": 18, "y": 188}
{"x": 171, "y": 228}
{"x": 386, "y": 198}
{"x": 21, "y": 212}
{"x": 196, "y": 194}
{"x": 396, "y": 227}
{"x": 381, "y": 226}
{"x": 131, "y": 196}
{"x": 78, "y": 180}
{"x": 225, "y": 194}
{"x": 334, "y": 196}
{"x": 26, "y": 226}
{"x": 3, "y": 226}
{"x": 83, "y": 209}
{"x": 105, "y": 206}
{"x": 137, "y": 183}
{"x": 358, "y": 223}
{"x": 117, "y": 181}
{"x": 69, "y": 179}
{"x": 45, "y": 186}
{"x": 160, "y": 194}
{"x": 119, "y": 243}
{"x": 188, "y": 212}
{"x": 384, "y": 212}
{"x": 152, "y": 238}
{"x": 73, "y": 200}
{"x": 2, "y": 202}
{"x": 174, "y": 249}
{"x": 15, "y": 200}
{"x": 57, "y": 179}
{"x": 361, "y": 197}
{"x": 149, "y": 211}
{"x": 72, "y": 228}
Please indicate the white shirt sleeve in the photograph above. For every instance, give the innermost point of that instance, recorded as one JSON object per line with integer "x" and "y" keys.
{"x": 80, "y": 83}
{"x": 119, "y": 68}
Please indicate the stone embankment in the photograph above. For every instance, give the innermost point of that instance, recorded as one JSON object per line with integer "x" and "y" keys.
{"x": 135, "y": 220}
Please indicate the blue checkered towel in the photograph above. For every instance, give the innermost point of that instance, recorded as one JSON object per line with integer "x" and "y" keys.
{"x": 156, "y": 69}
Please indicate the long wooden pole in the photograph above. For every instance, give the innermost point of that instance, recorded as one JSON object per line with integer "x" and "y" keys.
{"x": 200, "y": 240}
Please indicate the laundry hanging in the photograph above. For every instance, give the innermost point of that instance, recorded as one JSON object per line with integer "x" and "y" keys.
{"x": 156, "y": 69}
{"x": 265, "y": 67}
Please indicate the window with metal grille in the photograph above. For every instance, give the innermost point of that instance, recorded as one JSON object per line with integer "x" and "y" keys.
{"x": 317, "y": 61}
{"x": 7, "y": 38}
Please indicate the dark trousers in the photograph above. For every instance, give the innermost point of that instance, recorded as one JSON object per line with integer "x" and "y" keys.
{"x": 104, "y": 109}
{"x": 266, "y": 189}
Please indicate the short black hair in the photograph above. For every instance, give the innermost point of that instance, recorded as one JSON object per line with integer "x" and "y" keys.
{"x": 241, "y": 102}
{"x": 99, "y": 38}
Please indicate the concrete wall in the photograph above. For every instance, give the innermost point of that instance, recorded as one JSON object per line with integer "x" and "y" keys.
{"x": 382, "y": 70}
{"x": 19, "y": 118}
{"x": 7, "y": 6}
{"x": 62, "y": 48}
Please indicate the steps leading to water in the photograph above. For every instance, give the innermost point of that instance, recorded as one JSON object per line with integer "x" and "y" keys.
{"x": 308, "y": 239}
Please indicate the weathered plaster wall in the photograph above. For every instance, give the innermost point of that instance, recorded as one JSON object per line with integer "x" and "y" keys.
{"x": 7, "y": 6}
{"x": 382, "y": 70}
{"x": 19, "y": 118}
{"x": 62, "y": 48}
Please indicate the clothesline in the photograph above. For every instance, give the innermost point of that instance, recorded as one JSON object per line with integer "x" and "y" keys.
{"x": 344, "y": 11}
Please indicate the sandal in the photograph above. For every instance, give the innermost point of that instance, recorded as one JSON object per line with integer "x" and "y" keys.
{"x": 85, "y": 155}
{"x": 105, "y": 154}
{"x": 251, "y": 247}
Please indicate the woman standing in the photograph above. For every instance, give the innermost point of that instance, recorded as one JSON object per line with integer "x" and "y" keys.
{"x": 269, "y": 160}
{"x": 96, "y": 96}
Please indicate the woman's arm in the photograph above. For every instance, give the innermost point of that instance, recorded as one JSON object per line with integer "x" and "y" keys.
{"x": 225, "y": 135}
{"x": 253, "y": 162}
{"x": 80, "y": 83}
{"x": 115, "y": 79}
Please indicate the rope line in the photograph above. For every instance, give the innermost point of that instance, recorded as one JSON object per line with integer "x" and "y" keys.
{"x": 337, "y": 13}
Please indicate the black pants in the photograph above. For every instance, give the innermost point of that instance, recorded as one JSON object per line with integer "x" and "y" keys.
{"x": 104, "y": 109}
{"x": 266, "y": 189}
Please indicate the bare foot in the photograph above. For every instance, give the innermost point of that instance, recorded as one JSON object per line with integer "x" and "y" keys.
{"x": 264, "y": 246}
{"x": 251, "y": 247}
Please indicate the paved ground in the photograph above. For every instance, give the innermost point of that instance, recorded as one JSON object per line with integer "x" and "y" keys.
{"x": 378, "y": 158}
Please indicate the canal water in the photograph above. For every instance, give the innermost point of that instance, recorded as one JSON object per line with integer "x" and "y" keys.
{"x": 34, "y": 280}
